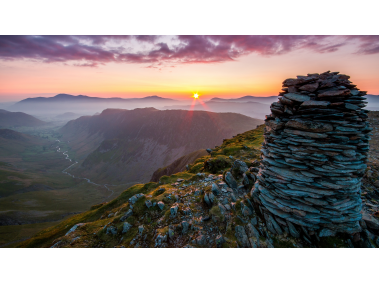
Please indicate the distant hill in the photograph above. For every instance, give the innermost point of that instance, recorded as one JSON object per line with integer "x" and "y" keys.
{"x": 13, "y": 143}
{"x": 248, "y": 98}
{"x": 252, "y": 109}
{"x": 13, "y": 135}
{"x": 373, "y": 102}
{"x": 83, "y": 104}
{"x": 129, "y": 145}
{"x": 18, "y": 119}
{"x": 178, "y": 165}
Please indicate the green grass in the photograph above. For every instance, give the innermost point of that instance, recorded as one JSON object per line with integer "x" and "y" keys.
{"x": 244, "y": 146}
{"x": 11, "y": 235}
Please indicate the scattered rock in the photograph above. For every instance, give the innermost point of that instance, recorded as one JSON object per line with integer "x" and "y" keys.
{"x": 111, "y": 230}
{"x": 215, "y": 189}
{"x": 126, "y": 215}
{"x": 126, "y": 227}
{"x": 185, "y": 226}
{"x": 229, "y": 179}
{"x": 201, "y": 240}
{"x": 74, "y": 228}
{"x": 148, "y": 203}
{"x": 174, "y": 210}
{"x": 242, "y": 237}
{"x": 140, "y": 229}
{"x": 207, "y": 201}
{"x": 161, "y": 205}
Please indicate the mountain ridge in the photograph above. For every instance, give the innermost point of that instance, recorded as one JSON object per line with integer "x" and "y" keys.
{"x": 18, "y": 119}
{"x": 65, "y": 97}
{"x": 142, "y": 140}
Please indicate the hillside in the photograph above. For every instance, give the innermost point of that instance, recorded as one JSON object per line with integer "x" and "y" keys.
{"x": 178, "y": 165}
{"x": 18, "y": 119}
{"x": 200, "y": 207}
{"x": 121, "y": 146}
{"x": 13, "y": 143}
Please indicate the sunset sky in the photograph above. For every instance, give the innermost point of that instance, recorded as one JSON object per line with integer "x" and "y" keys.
{"x": 177, "y": 66}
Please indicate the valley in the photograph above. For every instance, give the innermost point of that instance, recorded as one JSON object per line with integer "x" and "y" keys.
{"x": 51, "y": 172}
{"x": 34, "y": 189}
{"x": 120, "y": 146}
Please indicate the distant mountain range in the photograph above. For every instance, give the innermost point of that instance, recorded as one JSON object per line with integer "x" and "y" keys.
{"x": 120, "y": 146}
{"x": 18, "y": 119}
{"x": 63, "y": 97}
{"x": 82, "y": 104}
{"x": 248, "y": 98}
{"x": 373, "y": 102}
{"x": 57, "y": 107}
{"x": 249, "y": 108}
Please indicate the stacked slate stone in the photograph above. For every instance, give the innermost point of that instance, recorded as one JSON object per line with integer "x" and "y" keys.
{"x": 314, "y": 157}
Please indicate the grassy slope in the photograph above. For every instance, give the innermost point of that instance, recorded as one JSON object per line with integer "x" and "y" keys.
{"x": 243, "y": 146}
{"x": 178, "y": 165}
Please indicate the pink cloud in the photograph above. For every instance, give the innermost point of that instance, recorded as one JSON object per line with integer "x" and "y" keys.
{"x": 90, "y": 51}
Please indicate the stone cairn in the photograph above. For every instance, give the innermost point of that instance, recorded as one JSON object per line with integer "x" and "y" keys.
{"x": 314, "y": 157}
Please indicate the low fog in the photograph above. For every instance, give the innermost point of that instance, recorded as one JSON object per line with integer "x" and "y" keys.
{"x": 65, "y": 107}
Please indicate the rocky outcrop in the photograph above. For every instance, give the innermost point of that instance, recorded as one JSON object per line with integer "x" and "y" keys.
{"x": 314, "y": 157}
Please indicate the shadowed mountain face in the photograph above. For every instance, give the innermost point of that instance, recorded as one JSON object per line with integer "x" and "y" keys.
{"x": 12, "y": 135}
{"x": 129, "y": 145}
{"x": 18, "y": 119}
{"x": 83, "y": 105}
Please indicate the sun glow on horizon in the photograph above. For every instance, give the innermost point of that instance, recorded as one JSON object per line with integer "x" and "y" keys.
{"x": 195, "y": 95}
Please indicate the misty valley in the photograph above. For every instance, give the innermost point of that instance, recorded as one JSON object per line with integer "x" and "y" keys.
{"x": 60, "y": 156}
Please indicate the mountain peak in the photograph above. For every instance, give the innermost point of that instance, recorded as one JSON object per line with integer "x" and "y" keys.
{"x": 62, "y": 95}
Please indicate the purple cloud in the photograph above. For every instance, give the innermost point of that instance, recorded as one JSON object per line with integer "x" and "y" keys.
{"x": 92, "y": 51}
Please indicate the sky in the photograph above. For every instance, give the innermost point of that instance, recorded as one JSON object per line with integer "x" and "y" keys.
{"x": 178, "y": 66}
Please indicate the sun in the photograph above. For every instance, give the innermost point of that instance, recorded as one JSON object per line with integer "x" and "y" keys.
{"x": 195, "y": 95}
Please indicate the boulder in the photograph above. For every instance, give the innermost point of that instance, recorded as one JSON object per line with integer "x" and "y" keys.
{"x": 126, "y": 215}
{"x": 161, "y": 205}
{"x": 370, "y": 221}
{"x": 126, "y": 227}
{"x": 148, "y": 203}
{"x": 229, "y": 179}
{"x": 241, "y": 236}
{"x": 174, "y": 210}
{"x": 185, "y": 226}
{"x": 215, "y": 189}
{"x": 111, "y": 230}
